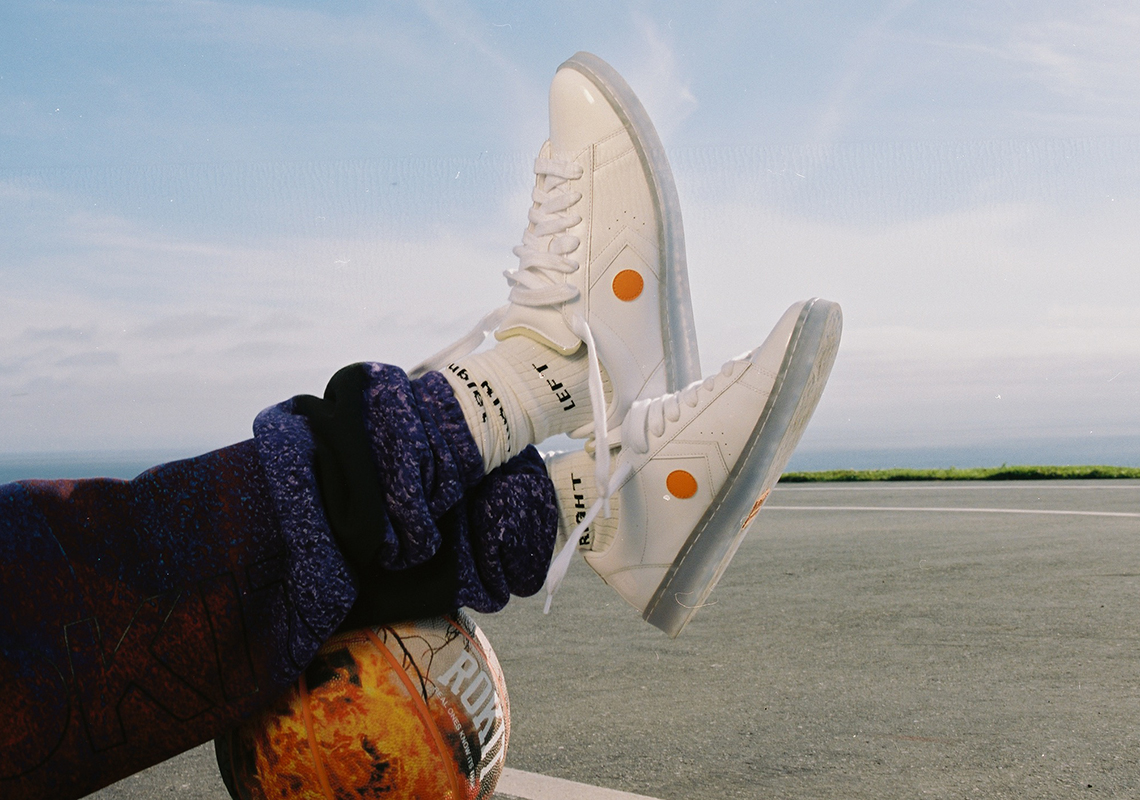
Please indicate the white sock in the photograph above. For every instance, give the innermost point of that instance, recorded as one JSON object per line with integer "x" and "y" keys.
{"x": 575, "y": 489}
{"x": 519, "y": 393}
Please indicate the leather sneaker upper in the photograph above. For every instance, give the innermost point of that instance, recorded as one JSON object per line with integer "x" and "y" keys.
{"x": 592, "y": 245}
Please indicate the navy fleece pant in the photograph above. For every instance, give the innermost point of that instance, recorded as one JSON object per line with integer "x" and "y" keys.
{"x": 141, "y": 618}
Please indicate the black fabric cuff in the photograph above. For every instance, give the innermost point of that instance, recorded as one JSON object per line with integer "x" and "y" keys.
{"x": 353, "y": 499}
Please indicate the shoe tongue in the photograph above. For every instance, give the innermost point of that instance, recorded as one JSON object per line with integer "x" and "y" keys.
{"x": 579, "y": 114}
{"x": 544, "y": 325}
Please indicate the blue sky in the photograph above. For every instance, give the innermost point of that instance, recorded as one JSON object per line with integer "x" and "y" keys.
{"x": 211, "y": 206}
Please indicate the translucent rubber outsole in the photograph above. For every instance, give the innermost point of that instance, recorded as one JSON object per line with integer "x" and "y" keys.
{"x": 713, "y": 542}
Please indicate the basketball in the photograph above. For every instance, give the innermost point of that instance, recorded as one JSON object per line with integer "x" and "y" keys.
{"x": 412, "y": 710}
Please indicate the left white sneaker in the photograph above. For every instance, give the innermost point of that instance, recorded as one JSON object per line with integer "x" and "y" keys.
{"x": 602, "y": 261}
{"x": 695, "y": 467}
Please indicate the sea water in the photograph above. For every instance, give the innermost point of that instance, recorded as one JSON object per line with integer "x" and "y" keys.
{"x": 86, "y": 464}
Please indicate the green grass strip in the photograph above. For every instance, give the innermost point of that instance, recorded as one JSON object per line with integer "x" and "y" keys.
{"x": 1002, "y": 473}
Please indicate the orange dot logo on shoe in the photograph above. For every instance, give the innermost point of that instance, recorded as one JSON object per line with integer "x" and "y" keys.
{"x": 628, "y": 285}
{"x": 681, "y": 484}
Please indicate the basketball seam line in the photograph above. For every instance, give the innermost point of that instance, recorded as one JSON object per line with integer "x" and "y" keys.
{"x": 423, "y": 712}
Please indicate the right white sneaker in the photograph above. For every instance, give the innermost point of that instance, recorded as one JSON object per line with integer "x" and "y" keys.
{"x": 602, "y": 262}
{"x": 695, "y": 467}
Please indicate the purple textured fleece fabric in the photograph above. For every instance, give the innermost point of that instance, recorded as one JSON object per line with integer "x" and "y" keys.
{"x": 141, "y": 618}
{"x": 504, "y": 525}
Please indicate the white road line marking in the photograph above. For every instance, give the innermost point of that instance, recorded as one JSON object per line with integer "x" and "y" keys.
{"x": 532, "y": 786}
{"x": 960, "y": 510}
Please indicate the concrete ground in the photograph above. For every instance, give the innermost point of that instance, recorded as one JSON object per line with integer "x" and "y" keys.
{"x": 960, "y": 648}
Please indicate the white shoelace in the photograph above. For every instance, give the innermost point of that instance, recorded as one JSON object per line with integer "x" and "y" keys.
{"x": 645, "y": 417}
{"x": 545, "y": 249}
{"x": 546, "y": 245}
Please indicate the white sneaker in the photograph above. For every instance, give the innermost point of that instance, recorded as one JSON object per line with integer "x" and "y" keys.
{"x": 603, "y": 258}
{"x": 694, "y": 469}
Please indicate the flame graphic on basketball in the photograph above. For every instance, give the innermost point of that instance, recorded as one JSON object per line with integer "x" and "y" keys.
{"x": 414, "y": 710}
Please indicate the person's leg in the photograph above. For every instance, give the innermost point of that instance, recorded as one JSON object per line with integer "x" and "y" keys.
{"x": 141, "y": 618}
{"x": 401, "y": 481}
{"x": 149, "y": 614}
{"x": 138, "y": 618}
{"x": 369, "y": 504}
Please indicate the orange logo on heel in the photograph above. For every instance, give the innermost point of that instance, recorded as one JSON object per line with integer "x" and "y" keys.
{"x": 755, "y": 510}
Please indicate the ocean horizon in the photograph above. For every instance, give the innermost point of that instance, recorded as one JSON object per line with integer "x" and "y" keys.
{"x": 1119, "y": 451}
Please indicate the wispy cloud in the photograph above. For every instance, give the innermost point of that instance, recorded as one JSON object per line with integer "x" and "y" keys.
{"x": 131, "y": 335}
{"x": 1046, "y": 69}
{"x": 196, "y": 323}
{"x": 205, "y": 80}
{"x": 460, "y": 22}
{"x": 1087, "y": 53}
{"x": 657, "y": 76}
{"x": 91, "y": 359}
{"x": 277, "y": 28}
{"x": 860, "y": 54}
{"x": 149, "y": 304}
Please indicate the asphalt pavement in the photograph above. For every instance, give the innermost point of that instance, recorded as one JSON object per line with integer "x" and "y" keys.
{"x": 868, "y": 641}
